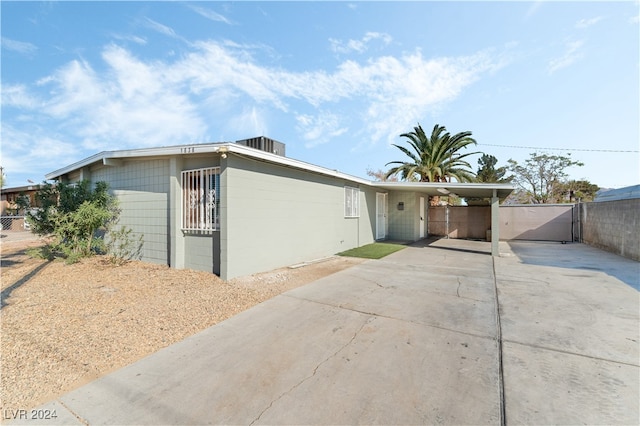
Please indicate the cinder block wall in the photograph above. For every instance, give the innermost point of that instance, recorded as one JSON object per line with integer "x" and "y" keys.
{"x": 142, "y": 189}
{"x": 612, "y": 226}
{"x": 402, "y": 223}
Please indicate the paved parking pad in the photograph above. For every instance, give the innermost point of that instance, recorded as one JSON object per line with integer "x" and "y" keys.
{"x": 413, "y": 338}
{"x": 570, "y": 327}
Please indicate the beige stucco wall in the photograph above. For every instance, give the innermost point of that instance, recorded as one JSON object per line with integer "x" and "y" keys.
{"x": 464, "y": 221}
{"x": 530, "y": 222}
{"x": 542, "y": 222}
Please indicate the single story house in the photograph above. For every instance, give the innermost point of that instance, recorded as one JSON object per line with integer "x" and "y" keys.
{"x": 239, "y": 208}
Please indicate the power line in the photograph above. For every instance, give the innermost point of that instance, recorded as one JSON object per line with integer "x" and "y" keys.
{"x": 558, "y": 149}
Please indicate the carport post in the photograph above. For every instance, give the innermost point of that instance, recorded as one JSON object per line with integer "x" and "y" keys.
{"x": 495, "y": 225}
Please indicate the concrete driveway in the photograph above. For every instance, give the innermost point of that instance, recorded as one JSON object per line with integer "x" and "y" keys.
{"x": 438, "y": 333}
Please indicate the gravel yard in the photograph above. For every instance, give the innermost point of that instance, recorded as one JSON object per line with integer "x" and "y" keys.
{"x": 65, "y": 325}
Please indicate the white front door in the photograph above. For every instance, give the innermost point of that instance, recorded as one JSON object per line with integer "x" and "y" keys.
{"x": 422, "y": 218}
{"x": 381, "y": 216}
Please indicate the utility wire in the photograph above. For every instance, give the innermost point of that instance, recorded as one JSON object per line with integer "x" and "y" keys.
{"x": 559, "y": 149}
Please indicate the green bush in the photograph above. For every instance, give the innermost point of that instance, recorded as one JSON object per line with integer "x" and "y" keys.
{"x": 71, "y": 214}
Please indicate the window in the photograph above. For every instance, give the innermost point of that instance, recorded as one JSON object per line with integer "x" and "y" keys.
{"x": 351, "y": 202}
{"x": 200, "y": 199}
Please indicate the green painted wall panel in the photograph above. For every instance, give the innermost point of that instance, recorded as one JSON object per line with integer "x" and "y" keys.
{"x": 404, "y": 224}
{"x": 142, "y": 190}
{"x": 273, "y": 216}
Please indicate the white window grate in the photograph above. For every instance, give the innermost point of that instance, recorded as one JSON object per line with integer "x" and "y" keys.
{"x": 351, "y": 202}
{"x": 201, "y": 199}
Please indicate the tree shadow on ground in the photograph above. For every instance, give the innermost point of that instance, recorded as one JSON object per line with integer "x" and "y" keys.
{"x": 6, "y": 293}
{"x": 12, "y": 259}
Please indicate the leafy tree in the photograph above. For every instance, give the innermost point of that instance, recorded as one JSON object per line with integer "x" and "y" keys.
{"x": 42, "y": 220}
{"x": 434, "y": 158}
{"x": 541, "y": 177}
{"x": 488, "y": 173}
{"x": 72, "y": 213}
{"x": 575, "y": 190}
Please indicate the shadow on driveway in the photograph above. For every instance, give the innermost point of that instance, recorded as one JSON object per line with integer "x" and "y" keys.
{"x": 578, "y": 256}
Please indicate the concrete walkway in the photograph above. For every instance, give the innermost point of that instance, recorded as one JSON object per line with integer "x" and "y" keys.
{"x": 415, "y": 338}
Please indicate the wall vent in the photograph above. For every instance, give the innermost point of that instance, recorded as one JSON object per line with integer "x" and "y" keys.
{"x": 264, "y": 144}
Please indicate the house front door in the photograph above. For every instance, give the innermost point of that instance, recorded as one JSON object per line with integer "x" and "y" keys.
{"x": 381, "y": 216}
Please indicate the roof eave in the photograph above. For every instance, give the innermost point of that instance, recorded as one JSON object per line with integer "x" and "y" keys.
{"x": 220, "y": 147}
{"x": 479, "y": 190}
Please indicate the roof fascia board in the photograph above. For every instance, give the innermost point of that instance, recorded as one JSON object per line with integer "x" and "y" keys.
{"x": 431, "y": 188}
{"x": 116, "y": 157}
{"x": 111, "y": 157}
{"x": 290, "y": 162}
{"x": 136, "y": 153}
{"x": 32, "y": 187}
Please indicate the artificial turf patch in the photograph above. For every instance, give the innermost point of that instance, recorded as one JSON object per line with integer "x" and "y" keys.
{"x": 373, "y": 251}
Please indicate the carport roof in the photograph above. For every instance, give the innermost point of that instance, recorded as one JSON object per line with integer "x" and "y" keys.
{"x": 479, "y": 190}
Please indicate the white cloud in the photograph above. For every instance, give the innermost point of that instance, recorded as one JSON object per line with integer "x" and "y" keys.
{"x": 210, "y": 14}
{"x": 136, "y": 39}
{"x": 18, "y": 46}
{"x": 17, "y": 96}
{"x": 133, "y": 104}
{"x": 359, "y": 46}
{"x": 24, "y": 149}
{"x": 586, "y": 23}
{"x": 158, "y": 27}
{"x": 571, "y": 55}
{"x": 220, "y": 87}
{"x": 320, "y": 128}
{"x": 635, "y": 19}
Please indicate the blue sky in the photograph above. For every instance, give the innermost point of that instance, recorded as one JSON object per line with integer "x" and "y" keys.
{"x": 338, "y": 82}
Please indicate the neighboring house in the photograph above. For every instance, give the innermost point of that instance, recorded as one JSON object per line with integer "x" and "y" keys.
{"x": 11, "y": 216}
{"x": 9, "y": 198}
{"x": 626, "y": 193}
{"x": 239, "y": 208}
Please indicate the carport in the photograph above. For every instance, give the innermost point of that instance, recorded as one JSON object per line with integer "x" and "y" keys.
{"x": 493, "y": 191}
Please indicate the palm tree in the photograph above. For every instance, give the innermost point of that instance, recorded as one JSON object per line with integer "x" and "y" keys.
{"x": 435, "y": 158}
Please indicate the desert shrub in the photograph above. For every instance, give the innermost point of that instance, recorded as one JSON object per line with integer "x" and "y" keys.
{"x": 121, "y": 245}
{"x": 44, "y": 252}
{"x": 71, "y": 214}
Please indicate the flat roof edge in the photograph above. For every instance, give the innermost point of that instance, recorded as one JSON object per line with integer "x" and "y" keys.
{"x": 230, "y": 147}
{"x": 217, "y": 147}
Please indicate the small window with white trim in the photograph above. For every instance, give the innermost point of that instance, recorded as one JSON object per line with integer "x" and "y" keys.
{"x": 351, "y": 202}
{"x": 201, "y": 200}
